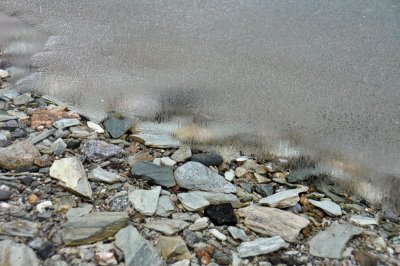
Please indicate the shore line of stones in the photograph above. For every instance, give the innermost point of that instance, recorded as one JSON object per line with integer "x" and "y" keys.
{"x": 81, "y": 192}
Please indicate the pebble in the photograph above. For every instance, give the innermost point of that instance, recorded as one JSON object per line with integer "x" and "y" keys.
{"x": 182, "y": 154}
{"x": 221, "y": 214}
{"x": 157, "y": 174}
{"x": 208, "y": 159}
{"x": 260, "y": 246}
{"x": 229, "y": 175}
{"x": 100, "y": 175}
{"x": 96, "y": 127}
{"x": 238, "y": 233}
{"x": 284, "y": 199}
{"x": 4, "y": 74}
{"x": 167, "y": 161}
{"x": 145, "y": 201}
{"x": 100, "y": 150}
{"x": 58, "y": 147}
{"x": 165, "y": 206}
{"x": 329, "y": 207}
{"x": 33, "y": 199}
{"x": 218, "y": 234}
{"x": 167, "y": 226}
{"x": 240, "y": 172}
{"x": 116, "y": 125}
{"x": 261, "y": 179}
{"x": 20, "y": 155}
{"x": 173, "y": 247}
{"x": 379, "y": 243}
{"x": 264, "y": 190}
{"x": 21, "y": 228}
{"x": 41, "y": 207}
{"x": 64, "y": 123}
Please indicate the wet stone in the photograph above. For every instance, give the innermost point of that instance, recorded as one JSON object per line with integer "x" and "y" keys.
{"x": 208, "y": 159}
{"x": 100, "y": 150}
{"x": 264, "y": 190}
{"x": 116, "y": 125}
{"x": 5, "y": 195}
{"x": 156, "y": 174}
{"x": 221, "y": 214}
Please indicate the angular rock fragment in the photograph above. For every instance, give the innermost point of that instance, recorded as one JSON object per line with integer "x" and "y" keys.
{"x": 15, "y": 254}
{"x": 221, "y": 214}
{"x": 157, "y": 135}
{"x": 165, "y": 206}
{"x": 157, "y": 174}
{"x": 58, "y": 147}
{"x": 34, "y": 138}
{"x": 284, "y": 199}
{"x": 66, "y": 122}
{"x": 100, "y": 150}
{"x": 332, "y": 242}
{"x": 93, "y": 227}
{"x": 19, "y": 228}
{"x": 77, "y": 212}
{"x": 216, "y": 197}
{"x": 196, "y": 176}
{"x": 363, "y": 220}
{"x": 238, "y": 233}
{"x": 271, "y": 222}
{"x": 71, "y": 173}
{"x": 116, "y": 125}
{"x": 137, "y": 250}
{"x": 208, "y": 159}
{"x": 193, "y": 202}
{"x": 19, "y": 155}
{"x": 168, "y": 227}
{"x": 23, "y": 99}
{"x": 100, "y": 175}
{"x": 145, "y": 201}
{"x": 260, "y": 246}
{"x": 182, "y": 154}
{"x": 173, "y": 247}
{"x": 327, "y": 206}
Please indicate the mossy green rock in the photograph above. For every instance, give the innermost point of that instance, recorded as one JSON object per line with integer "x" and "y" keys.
{"x": 93, "y": 227}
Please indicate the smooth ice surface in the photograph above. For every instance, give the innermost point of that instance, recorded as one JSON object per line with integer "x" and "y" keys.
{"x": 321, "y": 74}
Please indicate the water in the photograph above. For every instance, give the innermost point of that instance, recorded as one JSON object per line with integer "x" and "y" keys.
{"x": 315, "y": 77}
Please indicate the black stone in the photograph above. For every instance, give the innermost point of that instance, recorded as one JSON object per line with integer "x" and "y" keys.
{"x": 5, "y": 195}
{"x": 264, "y": 190}
{"x": 156, "y": 174}
{"x": 221, "y": 214}
{"x": 46, "y": 250}
{"x": 73, "y": 143}
{"x": 27, "y": 180}
{"x": 208, "y": 159}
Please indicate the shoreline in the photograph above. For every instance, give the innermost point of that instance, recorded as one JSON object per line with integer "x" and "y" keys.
{"x": 60, "y": 172}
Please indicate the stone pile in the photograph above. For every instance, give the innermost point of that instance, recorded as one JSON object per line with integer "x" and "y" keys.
{"x": 81, "y": 192}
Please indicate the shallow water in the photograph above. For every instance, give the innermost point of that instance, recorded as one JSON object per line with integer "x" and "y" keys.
{"x": 320, "y": 75}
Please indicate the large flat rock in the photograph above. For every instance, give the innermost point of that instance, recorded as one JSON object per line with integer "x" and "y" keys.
{"x": 273, "y": 222}
{"x": 19, "y": 155}
{"x": 196, "y": 176}
{"x": 15, "y": 254}
{"x": 93, "y": 227}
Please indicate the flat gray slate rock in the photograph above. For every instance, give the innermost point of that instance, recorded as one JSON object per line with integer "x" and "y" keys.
{"x": 168, "y": 227}
{"x": 165, "y": 207}
{"x": 284, "y": 199}
{"x": 100, "y": 175}
{"x": 332, "y": 242}
{"x": 15, "y": 254}
{"x": 145, "y": 201}
{"x": 260, "y": 246}
{"x": 162, "y": 175}
{"x": 196, "y": 176}
{"x": 193, "y": 202}
{"x": 19, "y": 228}
{"x": 137, "y": 250}
{"x": 327, "y": 206}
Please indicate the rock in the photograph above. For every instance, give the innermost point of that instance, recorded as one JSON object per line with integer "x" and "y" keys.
{"x": 137, "y": 250}
{"x": 145, "y": 201}
{"x": 19, "y": 228}
{"x": 35, "y": 138}
{"x": 106, "y": 258}
{"x": 329, "y": 207}
{"x": 364, "y": 258}
{"x": 46, "y": 117}
{"x": 221, "y": 214}
{"x": 181, "y": 263}
{"x": 116, "y": 125}
{"x": 23, "y": 99}
{"x": 41, "y": 207}
{"x": 240, "y": 172}
{"x": 195, "y": 176}
{"x": 300, "y": 175}
{"x": 93, "y": 227}
{"x": 100, "y": 150}
{"x": 193, "y": 202}
{"x": 20, "y": 155}
{"x": 200, "y": 224}
{"x": 208, "y": 159}
{"x": 167, "y": 161}
{"x": 217, "y": 198}
{"x": 157, "y": 174}
{"x": 271, "y": 222}
{"x": 379, "y": 243}
{"x": 96, "y": 127}
{"x": 238, "y": 233}
{"x": 100, "y": 175}
{"x": 254, "y": 167}
{"x": 182, "y": 154}
{"x": 4, "y": 116}
{"x": 284, "y": 199}
{"x": 78, "y": 212}
{"x": 261, "y": 179}
{"x": 157, "y": 135}
{"x": 18, "y": 114}
{"x": 363, "y": 220}
{"x": 167, "y": 226}
{"x": 218, "y": 234}
{"x": 5, "y": 195}
{"x": 229, "y": 175}
{"x": 264, "y": 190}
{"x": 45, "y": 250}
{"x": 332, "y": 242}
{"x": 4, "y": 74}
{"x": 165, "y": 206}
{"x": 71, "y": 173}
{"x": 58, "y": 147}
{"x": 8, "y": 94}
{"x": 391, "y": 216}
{"x": 173, "y": 247}
{"x": 15, "y": 254}
{"x": 260, "y": 246}
{"x": 140, "y": 156}
{"x": 64, "y": 123}
{"x": 190, "y": 238}
{"x": 33, "y": 199}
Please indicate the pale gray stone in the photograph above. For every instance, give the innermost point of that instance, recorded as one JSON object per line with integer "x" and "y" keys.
{"x": 327, "y": 206}
{"x": 217, "y": 198}
{"x": 238, "y": 233}
{"x": 77, "y": 212}
{"x": 193, "y": 202}
{"x": 363, "y": 220}
{"x": 100, "y": 175}
{"x": 93, "y": 227}
{"x": 72, "y": 175}
{"x": 182, "y": 154}
{"x": 58, "y": 147}
{"x": 260, "y": 246}
{"x": 168, "y": 227}
{"x": 18, "y": 114}
{"x": 284, "y": 199}
{"x": 145, "y": 201}
{"x": 19, "y": 228}
{"x": 137, "y": 250}
{"x": 196, "y": 176}
{"x": 23, "y": 99}
{"x": 271, "y": 222}
{"x": 8, "y": 94}
{"x": 35, "y": 138}
{"x": 4, "y": 74}
{"x": 331, "y": 242}
{"x": 4, "y": 116}
{"x": 66, "y": 122}
{"x": 15, "y": 254}
{"x": 165, "y": 206}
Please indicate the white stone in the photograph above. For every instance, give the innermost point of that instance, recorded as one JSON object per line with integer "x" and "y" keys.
{"x": 96, "y": 127}
{"x": 240, "y": 172}
{"x": 363, "y": 220}
{"x": 284, "y": 199}
{"x": 4, "y": 74}
{"x": 329, "y": 207}
{"x": 229, "y": 175}
{"x": 167, "y": 161}
{"x": 218, "y": 234}
{"x": 100, "y": 175}
{"x": 261, "y": 246}
{"x": 15, "y": 254}
{"x": 157, "y": 161}
{"x": 41, "y": 207}
{"x": 168, "y": 227}
{"x": 145, "y": 201}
